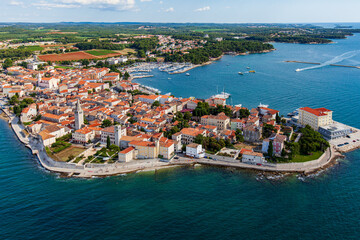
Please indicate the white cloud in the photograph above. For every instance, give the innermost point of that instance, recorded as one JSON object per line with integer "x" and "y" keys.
{"x": 47, "y": 5}
{"x": 111, "y": 5}
{"x": 161, "y": 2}
{"x": 171, "y": 9}
{"x": 107, "y": 2}
{"x": 203, "y": 9}
{"x": 16, "y": 3}
{"x": 145, "y": 0}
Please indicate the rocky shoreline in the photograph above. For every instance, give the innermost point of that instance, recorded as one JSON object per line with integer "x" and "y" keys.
{"x": 72, "y": 170}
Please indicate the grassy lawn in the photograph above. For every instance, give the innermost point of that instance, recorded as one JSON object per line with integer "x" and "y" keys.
{"x": 306, "y": 158}
{"x": 34, "y": 48}
{"x": 63, "y": 155}
{"x": 240, "y": 146}
{"x": 126, "y": 50}
{"x": 100, "y": 52}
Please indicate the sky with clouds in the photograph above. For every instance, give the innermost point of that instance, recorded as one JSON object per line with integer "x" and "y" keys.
{"x": 215, "y": 11}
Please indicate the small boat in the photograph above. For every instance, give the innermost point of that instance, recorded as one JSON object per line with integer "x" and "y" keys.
{"x": 187, "y": 74}
{"x": 298, "y": 70}
{"x": 251, "y": 71}
{"x": 240, "y": 73}
{"x": 169, "y": 78}
{"x": 247, "y": 67}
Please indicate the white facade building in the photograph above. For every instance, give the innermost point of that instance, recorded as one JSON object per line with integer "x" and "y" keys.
{"x": 195, "y": 150}
{"x": 253, "y": 158}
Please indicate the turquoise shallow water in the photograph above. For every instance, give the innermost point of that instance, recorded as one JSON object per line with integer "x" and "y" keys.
{"x": 202, "y": 203}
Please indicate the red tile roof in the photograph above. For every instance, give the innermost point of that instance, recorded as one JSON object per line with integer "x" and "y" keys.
{"x": 318, "y": 111}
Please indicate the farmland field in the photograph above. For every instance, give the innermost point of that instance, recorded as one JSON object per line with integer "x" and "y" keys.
{"x": 34, "y": 48}
{"x": 100, "y": 52}
{"x": 73, "y": 56}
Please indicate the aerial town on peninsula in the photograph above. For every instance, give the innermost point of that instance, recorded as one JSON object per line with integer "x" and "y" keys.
{"x": 93, "y": 116}
{"x": 81, "y": 110}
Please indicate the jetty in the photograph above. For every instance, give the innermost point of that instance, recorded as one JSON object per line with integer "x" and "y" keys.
{"x": 314, "y": 63}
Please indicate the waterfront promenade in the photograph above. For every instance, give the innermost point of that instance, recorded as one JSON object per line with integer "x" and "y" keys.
{"x": 101, "y": 170}
{"x": 306, "y": 167}
{"x": 71, "y": 169}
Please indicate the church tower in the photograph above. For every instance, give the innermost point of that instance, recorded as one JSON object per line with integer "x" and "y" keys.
{"x": 79, "y": 116}
{"x": 117, "y": 135}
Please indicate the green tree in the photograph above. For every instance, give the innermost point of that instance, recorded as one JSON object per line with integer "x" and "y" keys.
{"x": 141, "y": 54}
{"x": 187, "y": 116}
{"x": 106, "y": 123}
{"x": 270, "y": 149}
{"x": 108, "y": 143}
{"x": 126, "y": 76}
{"x": 114, "y": 148}
{"x": 268, "y": 130}
{"x": 244, "y": 113}
{"x": 277, "y": 118}
{"x": 37, "y": 118}
{"x": 85, "y": 62}
{"x": 155, "y": 104}
{"x": 7, "y": 63}
{"x": 239, "y": 136}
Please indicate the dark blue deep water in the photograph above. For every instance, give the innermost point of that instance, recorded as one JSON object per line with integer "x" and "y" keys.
{"x": 203, "y": 203}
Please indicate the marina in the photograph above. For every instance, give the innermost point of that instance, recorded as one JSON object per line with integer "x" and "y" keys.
{"x": 143, "y": 70}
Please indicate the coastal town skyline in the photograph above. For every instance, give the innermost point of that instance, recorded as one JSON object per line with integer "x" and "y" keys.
{"x": 229, "y": 11}
{"x": 122, "y": 130}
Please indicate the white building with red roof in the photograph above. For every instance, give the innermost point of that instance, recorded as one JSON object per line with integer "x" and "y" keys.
{"x": 83, "y": 135}
{"x": 28, "y": 113}
{"x": 315, "y": 118}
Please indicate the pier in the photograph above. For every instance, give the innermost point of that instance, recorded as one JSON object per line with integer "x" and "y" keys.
{"x": 334, "y": 65}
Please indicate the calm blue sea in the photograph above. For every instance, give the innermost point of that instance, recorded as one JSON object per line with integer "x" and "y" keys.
{"x": 276, "y": 82}
{"x": 203, "y": 203}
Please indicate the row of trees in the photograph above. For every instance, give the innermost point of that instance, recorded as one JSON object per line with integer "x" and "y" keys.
{"x": 183, "y": 122}
{"x": 212, "y": 144}
{"x": 216, "y": 49}
{"x": 203, "y": 108}
{"x": 290, "y": 39}
{"x": 145, "y": 44}
{"x": 15, "y": 53}
{"x": 311, "y": 141}
{"x": 19, "y": 105}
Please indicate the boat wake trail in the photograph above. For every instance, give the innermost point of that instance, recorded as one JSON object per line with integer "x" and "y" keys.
{"x": 333, "y": 61}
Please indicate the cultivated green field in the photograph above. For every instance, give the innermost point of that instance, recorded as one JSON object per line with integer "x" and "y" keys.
{"x": 100, "y": 52}
{"x": 34, "y": 48}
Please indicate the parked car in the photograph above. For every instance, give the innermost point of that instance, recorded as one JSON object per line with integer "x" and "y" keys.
{"x": 176, "y": 157}
{"x": 259, "y": 164}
